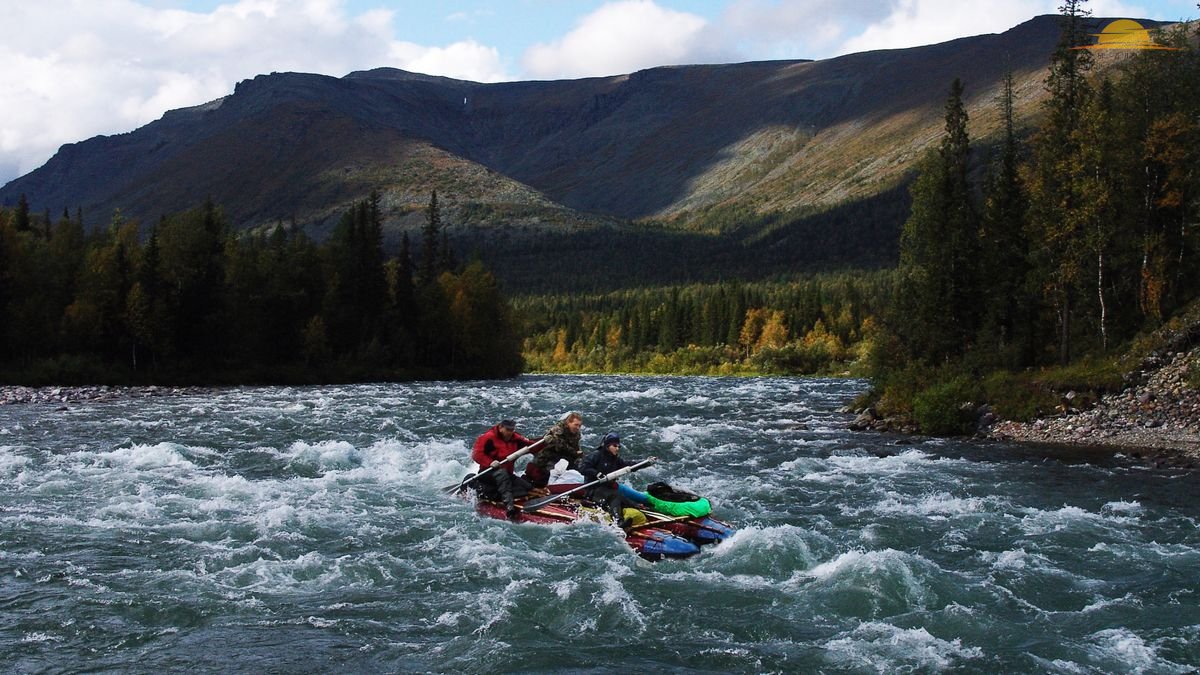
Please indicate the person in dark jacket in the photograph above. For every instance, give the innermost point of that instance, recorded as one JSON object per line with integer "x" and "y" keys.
{"x": 601, "y": 462}
{"x": 492, "y": 448}
{"x": 561, "y": 442}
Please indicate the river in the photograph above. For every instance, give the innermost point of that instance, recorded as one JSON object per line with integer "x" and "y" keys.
{"x": 282, "y": 529}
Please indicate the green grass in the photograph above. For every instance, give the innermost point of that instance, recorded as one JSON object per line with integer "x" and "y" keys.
{"x": 1099, "y": 374}
{"x": 1017, "y": 396}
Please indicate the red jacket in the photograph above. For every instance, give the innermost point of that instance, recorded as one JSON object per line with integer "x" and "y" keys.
{"x": 490, "y": 447}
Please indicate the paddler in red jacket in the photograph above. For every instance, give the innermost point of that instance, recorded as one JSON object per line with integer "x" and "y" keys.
{"x": 492, "y": 448}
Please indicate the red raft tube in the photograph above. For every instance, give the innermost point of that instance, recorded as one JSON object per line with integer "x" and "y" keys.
{"x": 649, "y": 540}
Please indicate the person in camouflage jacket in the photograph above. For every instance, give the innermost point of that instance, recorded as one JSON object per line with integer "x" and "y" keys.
{"x": 561, "y": 442}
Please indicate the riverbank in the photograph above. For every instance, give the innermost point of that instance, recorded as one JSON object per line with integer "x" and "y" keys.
{"x": 1157, "y": 416}
{"x": 11, "y": 395}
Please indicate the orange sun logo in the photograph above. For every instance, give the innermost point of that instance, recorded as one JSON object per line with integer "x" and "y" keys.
{"x": 1125, "y": 34}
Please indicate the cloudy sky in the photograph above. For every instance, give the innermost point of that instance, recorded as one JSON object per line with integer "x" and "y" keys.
{"x": 72, "y": 69}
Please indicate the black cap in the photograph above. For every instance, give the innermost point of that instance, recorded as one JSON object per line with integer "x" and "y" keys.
{"x": 508, "y": 424}
{"x": 611, "y": 439}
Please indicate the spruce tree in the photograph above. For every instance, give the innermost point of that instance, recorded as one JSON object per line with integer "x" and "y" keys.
{"x": 1003, "y": 248}
{"x": 21, "y": 217}
{"x": 1056, "y": 258}
{"x": 937, "y": 296}
{"x": 428, "y": 269}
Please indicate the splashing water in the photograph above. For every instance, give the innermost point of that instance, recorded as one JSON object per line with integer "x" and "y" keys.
{"x": 276, "y": 528}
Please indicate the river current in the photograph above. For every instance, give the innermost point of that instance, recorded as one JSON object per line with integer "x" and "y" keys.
{"x": 302, "y": 529}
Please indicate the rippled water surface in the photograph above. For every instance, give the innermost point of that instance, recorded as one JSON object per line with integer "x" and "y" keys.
{"x": 302, "y": 529}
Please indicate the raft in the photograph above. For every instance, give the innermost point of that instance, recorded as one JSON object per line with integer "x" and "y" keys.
{"x": 660, "y": 537}
{"x": 651, "y": 543}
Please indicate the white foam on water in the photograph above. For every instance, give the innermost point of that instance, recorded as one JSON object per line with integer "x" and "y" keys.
{"x": 885, "y": 648}
{"x": 564, "y": 588}
{"x": 1038, "y": 521}
{"x": 691, "y": 435}
{"x": 908, "y": 460}
{"x": 935, "y": 506}
{"x": 721, "y": 581}
{"x": 1151, "y": 550}
{"x": 859, "y": 560}
{"x": 848, "y": 468}
{"x": 276, "y": 517}
{"x": 807, "y": 464}
{"x": 145, "y": 457}
{"x": 614, "y": 594}
{"x": 884, "y": 576}
{"x": 448, "y": 619}
{"x": 1127, "y": 600}
{"x": 128, "y": 509}
{"x": 321, "y": 622}
{"x": 633, "y": 394}
{"x": 38, "y": 637}
{"x": 495, "y": 608}
{"x": 1122, "y": 649}
{"x": 226, "y": 490}
{"x": 429, "y": 463}
{"x": 757, "y": 541}
{"x": 326, "y": 455}
{"x": 482, "y": 558}
{"x": 1122, "y": 507}
{"x": 1016, "y": 559}
{"x": 11, "y": 463}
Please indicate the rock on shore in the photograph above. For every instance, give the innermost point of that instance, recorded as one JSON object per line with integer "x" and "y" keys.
{"x": 1158, "y": 411}
{"x": 10, "y": 395}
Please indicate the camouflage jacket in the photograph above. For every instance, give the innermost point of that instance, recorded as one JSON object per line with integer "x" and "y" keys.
{"x": 560, "y": 444}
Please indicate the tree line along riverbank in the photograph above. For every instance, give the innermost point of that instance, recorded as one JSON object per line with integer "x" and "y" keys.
{"x": 189, "y": 301}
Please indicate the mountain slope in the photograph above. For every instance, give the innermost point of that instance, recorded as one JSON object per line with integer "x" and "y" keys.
{"x": 696, "y": 148}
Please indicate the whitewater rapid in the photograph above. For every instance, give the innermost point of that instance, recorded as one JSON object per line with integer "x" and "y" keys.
{"x": 299, "y": 529}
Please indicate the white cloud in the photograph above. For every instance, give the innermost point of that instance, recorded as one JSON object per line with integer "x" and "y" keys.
{"x": 70, "y": 70}
{"x": 465, "y": 60}
{"x": 766, "y": 29}
{"x": 619, "y": 37}
{"x": 921, "y": 22}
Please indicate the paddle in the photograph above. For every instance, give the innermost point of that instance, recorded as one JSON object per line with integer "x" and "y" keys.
{"x": 459, "y": 487}
{"x": 539, "y": 503}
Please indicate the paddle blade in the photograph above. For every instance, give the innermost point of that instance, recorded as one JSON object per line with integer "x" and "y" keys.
{"x": 462, "y": 485}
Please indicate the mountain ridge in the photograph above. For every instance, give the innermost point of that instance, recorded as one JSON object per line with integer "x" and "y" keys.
{"x": 683, "y": 147}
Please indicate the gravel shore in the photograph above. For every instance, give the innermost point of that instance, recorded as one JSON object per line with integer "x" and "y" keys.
{"x": 1157, "y": 416}
{"x": 10, "y": 395}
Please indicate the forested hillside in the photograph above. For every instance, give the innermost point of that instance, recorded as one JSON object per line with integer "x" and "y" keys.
{"x": 1076, "y": 239}
{"x": 812, "y": 326}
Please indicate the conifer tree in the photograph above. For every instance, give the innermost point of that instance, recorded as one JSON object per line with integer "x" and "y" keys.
{"x": 428, "y": 269}
{"x": 1057, "y": 256}
{"x": 1003, "y": 249}
{"x": 21, "y": 218}
{"x": 937, "y": 296}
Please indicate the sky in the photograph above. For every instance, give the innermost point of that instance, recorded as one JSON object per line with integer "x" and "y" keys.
{"x": 73, "y": 69}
